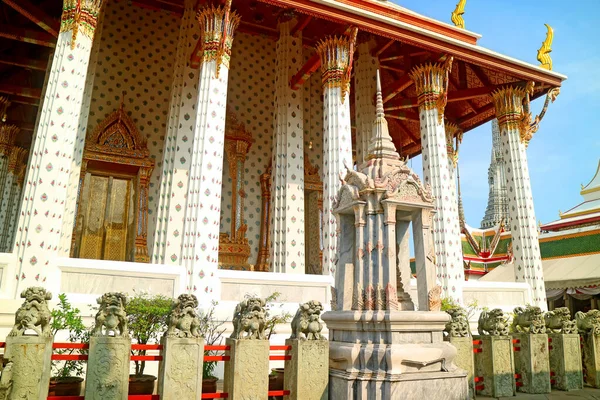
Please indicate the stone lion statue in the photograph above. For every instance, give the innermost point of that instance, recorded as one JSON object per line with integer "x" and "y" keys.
{"x": 306, "y": 324}
{"x": 111, "y": 315}
{"x": 33, "y": 313}
{"x": 493, "y": 323}
{"x": 559, "y": 321}
{"x": 529, "y": 320}
{"x": 183, "y": 320}
{"x": 459, "y": 324}
{"x": 249, "y": 318}
{"x": 6, "y": 381}
{"x": 588, "y": 322}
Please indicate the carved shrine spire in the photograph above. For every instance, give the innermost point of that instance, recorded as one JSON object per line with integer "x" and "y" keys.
{"x": 381, "y": 145}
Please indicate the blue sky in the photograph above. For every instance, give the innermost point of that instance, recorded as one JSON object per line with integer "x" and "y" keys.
{"x": 564, "y": 153}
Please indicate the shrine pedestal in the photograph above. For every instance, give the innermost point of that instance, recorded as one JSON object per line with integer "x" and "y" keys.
{"x": 565, "y": 361}
{"x": 107, "y": 375}
{"x": 494, "y": 363}
{"x": 247, "y": 372}
{"x": 409, "y": 361}
{"x": 532, "y": 363}
{"x": 27, "y": 365}
{"x": 180, "y": 372}
{"x": 591, "y": 359}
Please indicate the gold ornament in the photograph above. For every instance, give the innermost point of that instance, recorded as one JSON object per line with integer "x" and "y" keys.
{"x": 431, "y": 81}
{"x": 457, "y": 14}
{"x": 80, "y": 15}
{"x": 543, "y": 54}
{"x": 454, "y": 135}
{"x": 336, "y": 55}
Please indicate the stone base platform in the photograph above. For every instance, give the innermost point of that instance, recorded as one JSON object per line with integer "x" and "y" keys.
{"x": 377, "y": 355}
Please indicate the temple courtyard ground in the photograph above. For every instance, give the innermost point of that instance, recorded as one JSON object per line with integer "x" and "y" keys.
{"x": 587, "y": 393}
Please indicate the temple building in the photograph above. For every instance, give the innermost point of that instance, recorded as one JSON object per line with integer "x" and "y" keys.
{"x": 195, "y": 146}
{"x": 570, "y": 249}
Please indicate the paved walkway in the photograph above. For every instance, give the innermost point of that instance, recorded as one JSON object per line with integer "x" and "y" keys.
{"x": 587, "y": 394}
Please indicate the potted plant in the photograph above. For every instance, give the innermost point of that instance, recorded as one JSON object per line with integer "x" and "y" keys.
{"x": 66, "y": 377}
{"x": 147, "y": 319}
{"x": 272, "y": 320}
{"x": 212, "y": 332}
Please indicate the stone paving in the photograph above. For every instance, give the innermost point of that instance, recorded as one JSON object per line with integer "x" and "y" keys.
{"x": 587, "y": 393}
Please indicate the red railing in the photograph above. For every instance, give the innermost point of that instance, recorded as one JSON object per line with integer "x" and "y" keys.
{"x": 158, "y": 347}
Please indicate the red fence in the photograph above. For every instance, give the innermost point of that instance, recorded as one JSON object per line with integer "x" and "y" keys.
{"x": 158, "y": 347}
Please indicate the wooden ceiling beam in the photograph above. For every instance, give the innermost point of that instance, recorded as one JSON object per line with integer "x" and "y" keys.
{"x": 483, "y": 78}
{"x": 301, "y": 24}
{"x": 27, "y": 36}
{"x": 29, "y": 63}
{"x": 16, "y": 90}
{"x": 378, "y": 51}
{"x": 23, "y": 125}
{"x": 35, "y": 15}
{"x": 405, "y": 115}
{"x": 24, "y": 100}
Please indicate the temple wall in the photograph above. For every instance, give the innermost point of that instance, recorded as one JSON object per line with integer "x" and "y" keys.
{"x": 250, "y": 96}
{"x": 136, "y": 55}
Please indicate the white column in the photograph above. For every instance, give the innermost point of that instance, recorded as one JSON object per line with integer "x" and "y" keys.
{"x": 200, "y": 251}
{"x": 168, "y": 236}
{"x": 287, "y": 218}
{"x": 514, "y": 138}
{"x": 365, "y": 88}
{"x": 431, "y": 81}
{"x": 336, "y": 62}
{"x": 53, "y": 152}
{"x": 454, "y": 136}
{"x": 11, "y": 191}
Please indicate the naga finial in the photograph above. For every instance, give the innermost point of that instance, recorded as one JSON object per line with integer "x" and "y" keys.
{"x": 543, "y": 54}
{"x": 457, "y": 14}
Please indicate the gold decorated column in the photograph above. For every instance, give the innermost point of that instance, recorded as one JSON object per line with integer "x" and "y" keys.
{"x": 431, "y": 81}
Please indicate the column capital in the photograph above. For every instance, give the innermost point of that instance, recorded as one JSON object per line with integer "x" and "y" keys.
{"x": 510, "y": 112}
{"x": 336, "y": 55}
{"x": 454, "y": 135}
{"x": 80, "y": 16}
{"x": 431, "y": 81}
{"x": 18, "y": 157}
{"x": 8, "y": 134}
{"x": 217, "y": 26}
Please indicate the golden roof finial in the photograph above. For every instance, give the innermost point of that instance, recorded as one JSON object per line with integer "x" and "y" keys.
{"x": 543, "y": 54}
{"x": 457, "y": 14}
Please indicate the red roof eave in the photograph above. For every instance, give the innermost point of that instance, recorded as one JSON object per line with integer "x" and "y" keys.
{"x": 419, "y": 39}
{"x": 552, "y": 227}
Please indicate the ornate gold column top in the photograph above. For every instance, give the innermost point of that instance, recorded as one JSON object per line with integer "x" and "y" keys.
{"x": 336, "y": 55}
{"x": 454, "y": 135}
{"x": 431, "y": 81}
{"x": 4, "y": 104}
{"x": 8, "y": 134}
{"x": 80, "y": 15}
{"x": 16, "y": 160}
{"x": 217, "y": 26}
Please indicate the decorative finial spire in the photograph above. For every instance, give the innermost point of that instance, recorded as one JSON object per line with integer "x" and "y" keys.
{"x": 457, "y": 14}
{"x": 543, "y": 54}
{"x": 381, "y": 145}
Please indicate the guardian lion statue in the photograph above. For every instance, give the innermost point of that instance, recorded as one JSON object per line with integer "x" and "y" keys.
{"x": 111, "y": 315}
{"x": 559, "y": 321}
{"x": 306, "y": 324}
{"x": 588, "y": 322}
{"x": 493, "y": 323}
{"x": 529, "y": 320}
{"x": 183, "y": 319}
{"x": 459, "y": 324}
{"x": 33, "y": 313}
{"x": 249, "y": 319}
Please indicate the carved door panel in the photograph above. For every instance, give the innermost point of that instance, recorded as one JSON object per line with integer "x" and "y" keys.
{"x": 106, "y": 215}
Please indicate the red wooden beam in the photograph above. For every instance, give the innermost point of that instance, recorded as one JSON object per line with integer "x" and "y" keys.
{"x": 480, "y": 74}
{"x": 301, "y": 24}
{"x": 35, "y": 15}
{"x": 377, "y": 52}
{"x": 158, "y": 5}
{"x": 33, "y": 93}
{"x": 305, "y": 72}
{"x": 27, "y": 36}
{"x": 24, "y": 100}
{"x": 29, "y": 63}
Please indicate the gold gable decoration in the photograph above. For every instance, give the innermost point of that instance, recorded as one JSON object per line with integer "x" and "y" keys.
{"x": 117, "y": 141}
